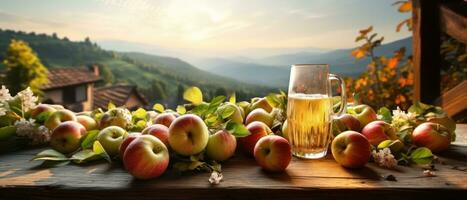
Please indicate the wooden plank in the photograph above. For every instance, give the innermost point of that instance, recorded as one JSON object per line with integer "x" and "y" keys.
{"x": 243, "y": 179}
{"x": 426, "y": 48}
{"x": 454, "y": 23}
{"x": 454, "y": 101}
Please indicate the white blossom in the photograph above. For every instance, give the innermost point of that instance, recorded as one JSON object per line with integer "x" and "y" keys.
{"x": 30, "y": 130}
{"x": 384, "y": 158}
{"x": 25, "y": 128}
{"x": 3, "y": 108}
{"x": 400, "y": 114}
{"x": 41, "y": 136}
{"x": 215, "y": 178}
{"x": 5, "y": 94}
{"x": 28, "y": 99}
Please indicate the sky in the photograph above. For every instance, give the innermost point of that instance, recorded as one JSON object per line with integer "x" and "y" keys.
{"x": 207, "y": 25}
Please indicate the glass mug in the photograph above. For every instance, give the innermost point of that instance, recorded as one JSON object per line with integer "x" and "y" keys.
{"x": 310, "y": 109}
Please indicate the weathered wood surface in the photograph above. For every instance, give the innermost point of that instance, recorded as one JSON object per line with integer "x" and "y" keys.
{"x": 243, "y": 179}
{"x": 453, "y": 17}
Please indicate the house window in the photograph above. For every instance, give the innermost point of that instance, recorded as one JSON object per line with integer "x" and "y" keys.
{"x": 74, "y": 94}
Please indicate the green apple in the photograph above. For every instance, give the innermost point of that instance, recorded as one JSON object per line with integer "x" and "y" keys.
{"x": 260, "y": 115}
{"x": 364, "y": 113}
{"x": 261, "y": 103}
{"x": 111, "y": 138}
{"x": 58, "y": 117}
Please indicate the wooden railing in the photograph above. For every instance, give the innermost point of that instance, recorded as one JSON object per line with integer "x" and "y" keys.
{"x": 430, "y": 19}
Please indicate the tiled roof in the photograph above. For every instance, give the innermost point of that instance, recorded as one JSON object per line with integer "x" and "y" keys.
{"x": 117, "y": 94}
{"x": 68, "y": 76}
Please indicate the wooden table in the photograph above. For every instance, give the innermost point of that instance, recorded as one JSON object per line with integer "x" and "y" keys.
{"x": 243, "y": 179}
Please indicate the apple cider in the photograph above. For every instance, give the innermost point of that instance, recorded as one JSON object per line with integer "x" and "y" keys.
{"x": 309, "y": 124}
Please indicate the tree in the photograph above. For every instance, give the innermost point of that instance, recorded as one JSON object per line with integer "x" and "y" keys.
{"x": 23, "y": 68}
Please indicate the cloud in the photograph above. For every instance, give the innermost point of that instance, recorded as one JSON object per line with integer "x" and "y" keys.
{"x": 12, "y": 19}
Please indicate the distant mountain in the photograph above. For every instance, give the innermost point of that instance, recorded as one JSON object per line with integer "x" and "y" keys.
{"x": 275, "y": 70}
{"x": 161, "y": 78}
{"x": 247, "y": 72}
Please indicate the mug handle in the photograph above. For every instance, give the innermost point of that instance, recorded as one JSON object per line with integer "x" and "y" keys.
{"x": 343, "y": 105}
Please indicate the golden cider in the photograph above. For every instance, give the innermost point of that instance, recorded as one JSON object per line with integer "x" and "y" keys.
{"x": 309, "y": 124}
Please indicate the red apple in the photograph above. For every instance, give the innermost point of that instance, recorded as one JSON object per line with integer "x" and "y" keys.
{"x": 351, "y": 149}
{"x": 261, "y": 115}
{"x": 221, "y": 146}
{"x": 365, "y": 114}
{"x": 131, "y": 136}
{"x": 146, "y": 157}
{"x": 273, "y": 153}
{"x": 188, "y": 135}
{"x": 160, "y": 131}
{"x": 257, "y": 130}
{"x": 350, "y": 122}
{"x": 58, "y": 117}
{"x": 88, "y": 122}
{"x": 378, "y": 131}
{"x": 165, "y": 119}
{"x": 66, "y": 137}
{"x": 434, "y": 136}
{"x": 42, "y": 112}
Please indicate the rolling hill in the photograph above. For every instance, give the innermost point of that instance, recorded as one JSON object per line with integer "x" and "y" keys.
{"x": 146, "y": 71}
{"x": 275, "y": 70}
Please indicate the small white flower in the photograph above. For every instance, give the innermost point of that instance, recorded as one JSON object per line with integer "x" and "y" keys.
{"x": 384, "y": 158}
{"x": 215, "y": 178}
{"x": 28, "y": 99}
{"x": 41, "y": 135}
{"x": 429, "y": 173}
{"x": 25, "y": 128}
{"x": 5, "y": 94}
{"x": 400, "y": 114}
{"x": 29, "y": 129}
{"x": 3, "y": 109}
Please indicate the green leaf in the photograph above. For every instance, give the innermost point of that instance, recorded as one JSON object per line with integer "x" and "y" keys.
{"x": 226, "y": 111}
{"x": 236, "y": 129}
{"x": 158, "y": 107}
{"x": 50, "y": 154}
{"x": 193, "y": 95}
{"x": 111, "y": 106}
{"x": 97, "y": 148}
{"x": 419, "y": 108}
{"x": 421, "y": 156}
{"x": 181, "y": 109}
{"x": 85, "y": 155}
{"x": 200, "y": 109}
{"x": 7, "y": 131}
{"x": 273, "y": 100}
{"x": 140, "y": 113}
{"x": 53, "y": 163}
{"x": 233, "y": 98}
{"x": 216, "y": 101}
{"x": 89, "y": 139}
{"x": 385, "y": 114}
